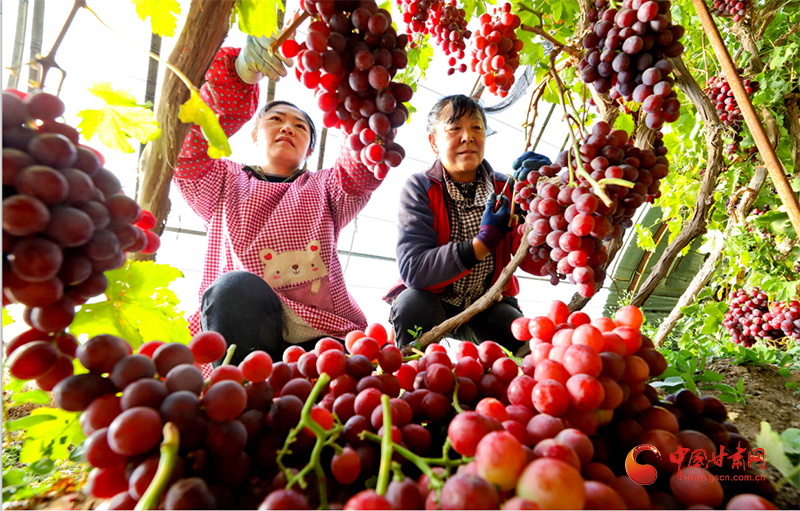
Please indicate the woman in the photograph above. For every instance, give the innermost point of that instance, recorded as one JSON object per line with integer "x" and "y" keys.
{"x": 455, "y": 236}
{"x": 271, "y": 275}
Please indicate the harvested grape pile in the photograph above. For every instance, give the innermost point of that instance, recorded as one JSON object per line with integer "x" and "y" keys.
{"x": 478, "y": 431}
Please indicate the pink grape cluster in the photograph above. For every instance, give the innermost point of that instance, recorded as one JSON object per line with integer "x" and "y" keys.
{"x": 765, "y": 232}
{"x": 568, "y": 224}
{"x": 750, "y": 317}
{"x": 495, "y": 49}
{"x": 786, "y": 316}
{"x": 627, "y": 55}
{"x": 65, "y": 220}
{"x": 448, "y": 27}
{"x": 578, "y": 364}
{"x": 719, "y": 92}
{"x": 416, "y": 14}
{"x": 735, "y": 8}
{"x": 349, "y": 58}
{"x": 745, "y": 320}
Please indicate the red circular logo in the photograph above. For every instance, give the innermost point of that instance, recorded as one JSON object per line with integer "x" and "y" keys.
{"x": 641, "y": 474}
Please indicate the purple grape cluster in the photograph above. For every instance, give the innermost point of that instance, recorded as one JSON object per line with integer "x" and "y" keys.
{"x": 627, "y": 56}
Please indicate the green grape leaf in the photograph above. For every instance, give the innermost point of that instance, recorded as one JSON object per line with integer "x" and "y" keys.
{"x": 107, "y": 93}
{"x": 791, "y": 441}
{"x": 782, "y": 54}
{"x": 121, "y": 119}
{"x": 163, "y": 15}
{"x": 7, "y": 319}
{"x": 197, "y": 111}
{"x": 774, "y": 452}
{"x": 644, "y": 238}
{"x": 625, "y": 122}
{"x": 139, "y": 307}
{"x": 42, "y": 467}
{"x": 257, "y": 17}
{"x": 27, "y": 422}
{"x": 778, "y": 222}
{"x": 37, "y": 396}
{"x": 51, "y": 438}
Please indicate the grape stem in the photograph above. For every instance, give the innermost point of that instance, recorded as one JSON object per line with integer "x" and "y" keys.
{"x": 169, "y": 66}
{"x": 423, "y": 464}
{"x": 615, "y": 181}
{"x": 229, "y": 355}
{"x": 598, "y": 190}
{"x": 49, "y": 62}
{"x": 456, "y": 405}
{"x": 386, "y": 448}
{"x": 166, "y": 465}
{"x": 288, "y": 32}
{"x": 323, "y": 438}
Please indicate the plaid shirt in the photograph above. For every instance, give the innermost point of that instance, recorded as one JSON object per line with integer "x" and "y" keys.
{"x": 253, "y": 223}
{"x": 465, "y": 222}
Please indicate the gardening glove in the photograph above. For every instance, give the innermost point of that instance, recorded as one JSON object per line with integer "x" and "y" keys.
{"x": 527, "y": 162}
{"x": 256, "y": 61}
{"x": 494, "y": 223}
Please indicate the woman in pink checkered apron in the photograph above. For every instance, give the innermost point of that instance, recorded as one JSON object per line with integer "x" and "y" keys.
{"x": 271, "y": 275}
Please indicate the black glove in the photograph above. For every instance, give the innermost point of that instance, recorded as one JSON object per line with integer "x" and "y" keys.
{"x": 494, "y": 224}
{"x": 527, "y": 162}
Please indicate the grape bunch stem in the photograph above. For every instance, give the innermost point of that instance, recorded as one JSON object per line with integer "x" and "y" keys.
{"x": 423, "y": 464}
{"x": 323, "y": 438}
{"x": 597, "y": 188}
{"x": 386, "y": 448}
{"x": 166, "y": 465}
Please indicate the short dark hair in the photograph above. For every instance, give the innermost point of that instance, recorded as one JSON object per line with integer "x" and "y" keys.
{"x": 460, "y": 106}
{"x": 263, "y": 112}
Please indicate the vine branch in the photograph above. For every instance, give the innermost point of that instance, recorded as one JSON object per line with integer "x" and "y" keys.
{"x": 287, "y": 32}
{"x": 495, "y": 293}
{"x": 705, "y": 196}
{"x": 166, "y": 465}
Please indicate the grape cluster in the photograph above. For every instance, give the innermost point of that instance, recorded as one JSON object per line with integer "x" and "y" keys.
{"x": 448, "y": 27}
{"x": 65, "y": 220}
{"x": 735, "y": 8}
{"x": 627, "y": 55}
{"x": 721, "y": 96}
{"x": 416, "y": 14}
{"x": 786, "y": 316}
{"x": 495, "y": 49}
{"x": 588, "y": 379}
{"x": 745, "y": 319}
{"x": 568, "y": 224}
{"x": 750, "y": 317}
{"x": 764, "y": 232}
{"x": 349, "y": 57}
